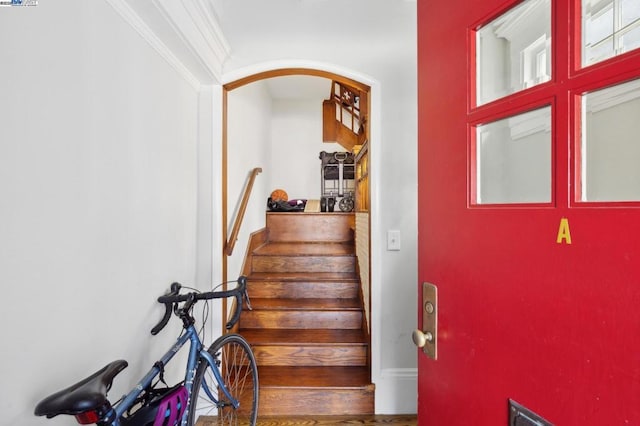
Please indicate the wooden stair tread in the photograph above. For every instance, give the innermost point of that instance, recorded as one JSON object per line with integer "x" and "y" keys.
{"x": 303, "y": 276}
{"x": 315, "y": 377}
{"x": 307, "y": 337}
{"x": 303, "y": 289}
{"x": 305, "y": 249}
{"x": 333, "y": 304}
{"x": 307, "y": 323}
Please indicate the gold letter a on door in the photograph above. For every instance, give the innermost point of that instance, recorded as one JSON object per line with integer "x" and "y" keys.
{"x": 564, "y": 235}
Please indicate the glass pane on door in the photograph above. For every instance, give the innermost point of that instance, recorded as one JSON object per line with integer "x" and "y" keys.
{"x": 609, "y": 28}
{"x": 610, "y": 154}
{"x": 630, "y": 11}
{"x": 514, "y": 51}
{"x": 513, "y": 159}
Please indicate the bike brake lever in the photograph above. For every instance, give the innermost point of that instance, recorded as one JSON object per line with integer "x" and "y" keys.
{"x": 246, "y": 296}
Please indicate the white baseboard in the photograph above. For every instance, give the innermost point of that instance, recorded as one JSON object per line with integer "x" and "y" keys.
{"x": 397, "y": 391}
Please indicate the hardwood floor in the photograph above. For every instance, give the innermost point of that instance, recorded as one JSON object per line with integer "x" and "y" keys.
{"x": 398, "y": 420}
{"x": 404, "y": 420}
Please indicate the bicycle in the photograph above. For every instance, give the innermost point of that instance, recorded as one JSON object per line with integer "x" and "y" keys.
{"x": 221, "y": 380}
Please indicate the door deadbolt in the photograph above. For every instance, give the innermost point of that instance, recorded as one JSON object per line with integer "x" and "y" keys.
{"x": 427, "y": 337}
{"x": 428, "y": 307}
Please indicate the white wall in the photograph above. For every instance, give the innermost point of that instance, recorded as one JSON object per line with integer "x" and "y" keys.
{"x": 98, "y": 198}
{"x": 248, "y": 146}
{"x": 394, "y": 207}
{"x": 296, "y": 144}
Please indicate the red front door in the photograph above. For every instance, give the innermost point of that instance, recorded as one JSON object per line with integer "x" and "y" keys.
{"x": 538, "y": 283}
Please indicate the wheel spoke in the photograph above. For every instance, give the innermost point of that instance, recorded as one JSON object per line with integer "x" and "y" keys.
{"x": 239, "y": 375}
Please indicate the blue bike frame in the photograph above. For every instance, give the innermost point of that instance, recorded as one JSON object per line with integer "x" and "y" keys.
{"x": 196, "y": 352}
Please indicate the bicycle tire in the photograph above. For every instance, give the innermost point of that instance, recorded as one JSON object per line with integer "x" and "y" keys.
{"x": 239, "y": 373}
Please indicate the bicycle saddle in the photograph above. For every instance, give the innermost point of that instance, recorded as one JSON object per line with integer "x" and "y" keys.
{"x": 88, "y": 394}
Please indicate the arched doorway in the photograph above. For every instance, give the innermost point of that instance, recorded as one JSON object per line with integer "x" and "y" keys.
{"x": 228, "y": 164}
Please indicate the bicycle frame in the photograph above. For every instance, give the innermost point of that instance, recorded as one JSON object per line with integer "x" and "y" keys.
{"x": 196, "y": 352}
{"x": 87, "y": 399}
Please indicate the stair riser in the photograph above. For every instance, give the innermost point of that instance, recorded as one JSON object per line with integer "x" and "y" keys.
{"x": 311, "y": 355}
{"x": 304, "y": 401}
{"x": 310, "y": 227}
{"x": 301, "y": 290}
{"x": 279, "y": 264}
{"x": 302, "y": 319}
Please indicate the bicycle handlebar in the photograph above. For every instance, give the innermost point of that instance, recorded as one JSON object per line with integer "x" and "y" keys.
{"x": 174, "y": 296}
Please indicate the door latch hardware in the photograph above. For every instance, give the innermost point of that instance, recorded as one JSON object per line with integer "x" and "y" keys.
{"x": 427, "y": 338}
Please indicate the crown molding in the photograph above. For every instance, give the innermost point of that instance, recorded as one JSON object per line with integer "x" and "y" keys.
{"x": 519, "y": 19}
{"x": 612, "y": 96}
{"x": 196, "y": 25}
{"x": 123, "y": 8}
{"x": 186, "y": 33}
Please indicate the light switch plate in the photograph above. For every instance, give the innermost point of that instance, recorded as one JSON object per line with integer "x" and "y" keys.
{"x": 393, "y": 239}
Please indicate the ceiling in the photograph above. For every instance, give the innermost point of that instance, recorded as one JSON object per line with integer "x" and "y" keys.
{"x": 314, "y": 29}
{"x": 210, "y": 39}
{"x": 298, "y": 87}
{"x": 320, "y": 30}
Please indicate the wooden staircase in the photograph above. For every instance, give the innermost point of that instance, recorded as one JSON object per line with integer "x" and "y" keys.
{"x": 307, "y": 328}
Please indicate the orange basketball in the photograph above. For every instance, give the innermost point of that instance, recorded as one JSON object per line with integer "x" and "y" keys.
{"x": 279, "y": 195}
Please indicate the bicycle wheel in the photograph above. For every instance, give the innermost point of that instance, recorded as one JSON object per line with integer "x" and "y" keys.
{"x": 240, "y": 376}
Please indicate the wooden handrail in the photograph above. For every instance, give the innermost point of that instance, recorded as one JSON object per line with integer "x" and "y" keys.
{"x": 243, "y": 206}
